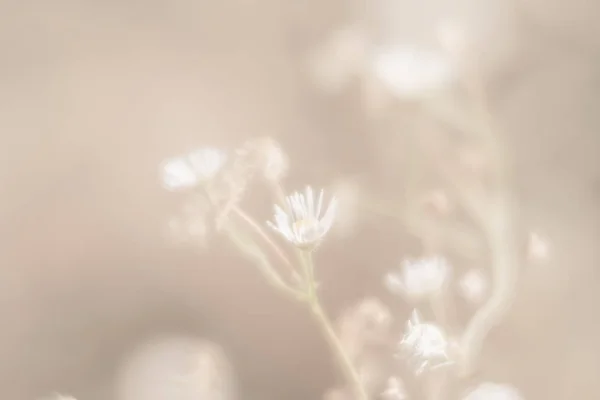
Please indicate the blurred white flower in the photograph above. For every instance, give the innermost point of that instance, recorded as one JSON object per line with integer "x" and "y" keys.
{"x": 493, "y": 391}
{"x": 394, "y": 389}
{"x": 367, "y": 323}
{"x": 473, "y": 285}
{"x": 192, "y": 224}
{"x": 419, "y": 279}
{"x": 425, "y": 344}
{"x": 177, "y": 173}
{"x": 338, "y": 393}
{"x": 207, "y": 162}
{"x": 411, "y": 71}
{"x": 275, "y": 162}
{"x": 304, "y": 225}
{"x": 176, "y": 368}
{"x": 191, "y": 169}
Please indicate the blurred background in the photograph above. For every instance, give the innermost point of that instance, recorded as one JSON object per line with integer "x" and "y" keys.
{"x": 94, "y": 95}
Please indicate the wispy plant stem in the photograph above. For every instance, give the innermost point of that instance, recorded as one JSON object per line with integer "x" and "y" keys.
{"x": 253, "y": 252}
{"x": 326, "y": 326}
{"x": 260, "y": 232}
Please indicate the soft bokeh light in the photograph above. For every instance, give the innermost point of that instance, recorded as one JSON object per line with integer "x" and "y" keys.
{"x": 419, "y": 278}
{"x": 409, "y": 71}
{"x": 177, "y": 368}
{"x": 473, "y": 286}
{"x": 493, "y": 391}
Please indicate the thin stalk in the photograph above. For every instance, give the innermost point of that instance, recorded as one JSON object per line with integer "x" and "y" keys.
{"x": 331, "y": 336}
{"x": 260, "y": 232}
{"x": 343, "y": 358}
{"x": 252, "y": 251}
{"x": 495, "y": 216}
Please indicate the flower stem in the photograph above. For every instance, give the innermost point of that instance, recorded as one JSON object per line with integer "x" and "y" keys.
{"x": 336, "y": 345}
{"x": 259, "y": 231}
{"x": 253, "y": 252}
{"x": 331, "y": 336}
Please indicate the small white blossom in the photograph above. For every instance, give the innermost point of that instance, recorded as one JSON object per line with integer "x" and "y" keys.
{"x": 493, "y": 391}
{"x": 304, "y": 224}
{"x": 394, "y": 389}
{"x": 207, "y": 162}
{"x": 425, "y": 344}
{"x": 473, "y": 285}
{"x": 178, "y": 174}
{"x": 192, "y": 224}
{"x": 192, "y": 169}
{"x": 418, "y": 279}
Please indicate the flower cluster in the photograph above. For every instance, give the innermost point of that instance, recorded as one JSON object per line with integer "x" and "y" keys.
{"x": 304, "y": 219}
{"x": 425, "y": 344}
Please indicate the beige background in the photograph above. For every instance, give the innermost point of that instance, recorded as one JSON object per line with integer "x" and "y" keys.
{"x": 95, "y": 94}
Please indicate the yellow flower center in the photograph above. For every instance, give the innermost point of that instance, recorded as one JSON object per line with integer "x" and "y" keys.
{"x": 305, "y": 224}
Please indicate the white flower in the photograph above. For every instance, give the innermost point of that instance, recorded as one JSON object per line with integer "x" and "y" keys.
{"x": 176, "y": 368}
{"x": 191, "y": 169}
{"x": 275, "y": 161}
{"x": 493, "y": 391}
{"x": 411, "y": 71}
{"x": 394, "y": 389}
{"x": 473, "y": 285}
{"x": 425, "y": 344}
{"x": 191, "y": 225}
{"x": 419, "y": 278}
{"x": 304, "y": 224}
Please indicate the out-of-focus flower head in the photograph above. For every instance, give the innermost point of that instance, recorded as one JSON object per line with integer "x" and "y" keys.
{"x": 194, "y": 168}
{"x": 412, "y": 72}
{"x": 272, "y": 160}
{"x": 192, "y": 224}
{"x": 425, "y": 344}
{"x": 367, "y": 323}
{"x": 394, "y": 389}
{"x": 419, "y": 279}
{"x": 177, "y": 368}
{"x": 306, "y": 220}
{"x": 473, "y": 285}
{"x": 338, "y": 393}
{"x": 493, "y": 391}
